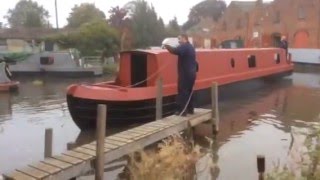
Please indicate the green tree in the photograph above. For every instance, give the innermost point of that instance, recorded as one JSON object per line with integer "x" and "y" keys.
{"x": 206, "y": 8}
{"x": 173, "y": 29}
{"x": 27, "y": 13}
{"x": 120, "y": 20}
{"x": 85, "y": 13}
{"x": 91, "y": 39}
{"x": 147, "y": 28}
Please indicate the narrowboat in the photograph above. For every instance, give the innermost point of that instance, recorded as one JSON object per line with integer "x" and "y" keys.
{"x": 131, "y": 97}
{"x": 6, "y": 84}
{"x": 9, "y": 86}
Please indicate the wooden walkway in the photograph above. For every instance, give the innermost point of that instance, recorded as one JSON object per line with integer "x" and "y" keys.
{"x": 80, "y": 160}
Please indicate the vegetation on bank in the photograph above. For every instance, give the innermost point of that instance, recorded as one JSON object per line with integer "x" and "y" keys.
{"x": 306, "y": 162}
{"x": 135, "y": 25}
{"x": 111, "y": 68}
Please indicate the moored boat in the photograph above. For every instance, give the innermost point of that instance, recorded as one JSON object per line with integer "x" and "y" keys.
{"x": 130, "y": 98}
{"x": 9, "y": 86}
{"x": 6, "y": 84}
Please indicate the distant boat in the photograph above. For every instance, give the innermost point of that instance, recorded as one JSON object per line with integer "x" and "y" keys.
{"x": 6, "y": 84}
{"x": 56, "y": 63}
{"x": 305, "y": 56}
{"x": 131, "y": 97}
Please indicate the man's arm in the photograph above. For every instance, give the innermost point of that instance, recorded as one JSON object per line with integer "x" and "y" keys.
{"x": 177, "y": 51}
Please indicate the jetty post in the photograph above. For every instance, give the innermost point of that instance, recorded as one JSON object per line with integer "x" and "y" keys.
{"x": 100, "y": 135}
{"x": 48, "y": 137}
{"x": 214, "y": 110}
{"x": 261, "y": 165}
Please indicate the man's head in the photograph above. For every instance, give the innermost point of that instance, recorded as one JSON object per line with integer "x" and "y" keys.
{"x": 183, "y": 38}
{"x": 283, "y": 38}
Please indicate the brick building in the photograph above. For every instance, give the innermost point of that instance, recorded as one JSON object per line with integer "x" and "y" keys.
{"x": 259, "y": 24}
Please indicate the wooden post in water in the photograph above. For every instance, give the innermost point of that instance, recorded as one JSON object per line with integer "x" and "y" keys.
{"x": 100, "y": 135}
{"x": 215, "y": 109}
{"x": 48, "y": 143}
{"x": 261, "y": 164}
{"x": 71, "y": 145}
{"x": 159, "y": 99}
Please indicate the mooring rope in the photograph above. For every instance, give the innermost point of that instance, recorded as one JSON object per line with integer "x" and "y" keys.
{"x": 154, "y": 74}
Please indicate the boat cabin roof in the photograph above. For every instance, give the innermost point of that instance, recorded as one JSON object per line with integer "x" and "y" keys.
{"x": 159, "y": 51}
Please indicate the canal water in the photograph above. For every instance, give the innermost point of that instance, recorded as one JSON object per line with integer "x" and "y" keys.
{"x": 257, "y": 121}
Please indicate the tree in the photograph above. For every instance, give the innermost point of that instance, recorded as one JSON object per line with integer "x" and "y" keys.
{"x": 206, "y": 8}
{"x": 147, "y": 28}
{"x": 120, "y": 20}
{"x": 173, "y": 29}
{"x": 85, "y": 13}
{"x": 93, "y": 38}
{"x": 27, "y": 14}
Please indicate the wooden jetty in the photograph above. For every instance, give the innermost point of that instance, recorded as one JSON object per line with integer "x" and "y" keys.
{"x": 80, "y": 160}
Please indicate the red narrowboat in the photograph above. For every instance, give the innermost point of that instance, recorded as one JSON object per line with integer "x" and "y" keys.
{"x": 9, "y": 86}
{"x": 130, "y": 98}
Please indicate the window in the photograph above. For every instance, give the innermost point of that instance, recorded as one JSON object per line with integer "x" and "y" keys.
{"x": 277, "y": 58}
{"x": 232, "y": 63}
{"x": 277, "y": 17}
{"x": 301, "y": 13}
{"x": 252, "y": 61}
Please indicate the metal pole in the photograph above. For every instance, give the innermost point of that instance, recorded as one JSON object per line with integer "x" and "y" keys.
{"x": 56, "y": 8}
{"x": 101, "y": 133}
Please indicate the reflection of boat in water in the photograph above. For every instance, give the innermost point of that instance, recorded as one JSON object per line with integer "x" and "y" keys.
{"x": 6, "y": 84}
{"x": 5, "y": 104}
{"x": 131, "y": 97}
{"x": 237, "y": 119}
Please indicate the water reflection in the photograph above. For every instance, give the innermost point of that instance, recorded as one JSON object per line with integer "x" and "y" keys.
{"x": 260, "y": 121}
{"x": 5, "y": 105}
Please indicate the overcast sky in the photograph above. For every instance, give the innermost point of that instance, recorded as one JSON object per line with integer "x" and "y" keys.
{"x": 181, "y": 8}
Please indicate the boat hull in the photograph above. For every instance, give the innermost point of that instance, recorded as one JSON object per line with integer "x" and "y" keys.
{"x": 84, "y": 111}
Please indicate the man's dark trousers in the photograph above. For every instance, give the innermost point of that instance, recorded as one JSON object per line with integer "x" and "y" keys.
{"x": 185, "y": 96}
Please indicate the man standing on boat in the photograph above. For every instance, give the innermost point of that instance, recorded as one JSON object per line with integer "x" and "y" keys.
{"x": 187, "y": 69}
{"x": 284, "y": 44}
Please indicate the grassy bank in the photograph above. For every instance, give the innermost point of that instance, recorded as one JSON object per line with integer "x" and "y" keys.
{"x": 110, "y": 69}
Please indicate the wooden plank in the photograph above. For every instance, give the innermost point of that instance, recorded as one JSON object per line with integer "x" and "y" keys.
{"x": 36, "y": 173}
{"x": 122, "y": 135}
{"x": 46, "y": 168}
{"x": 68, "y": 159}
{"x": 106, "y": 146}
{"x": 93, "y": 147}
{"x": 118, "y": 143}
{"x": 75, "y": 154}
{"x": 57, "y": 163}
{"x": 200, "y": 119}
{"x": 156, "y": 125}
{"x": 133, "y": 135}
{"x": 85, "y": 151}
{"x": 15, "y": 175}
{"x": 116, "y": 138}
{"x": 151, "y": 129}
{"x": 143, "y": 133}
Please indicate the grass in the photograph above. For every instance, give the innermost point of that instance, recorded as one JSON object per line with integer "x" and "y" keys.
{"x": 173, "y": 159}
